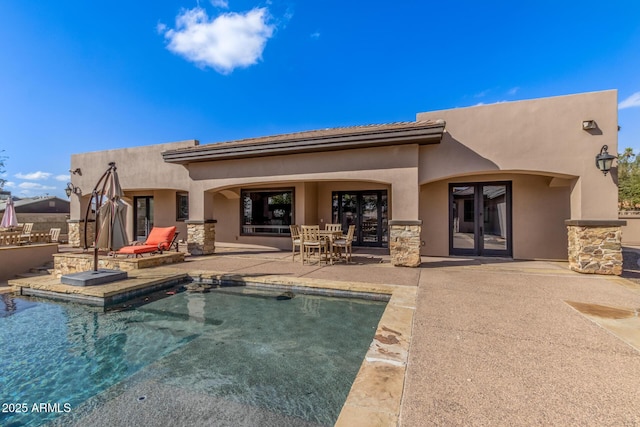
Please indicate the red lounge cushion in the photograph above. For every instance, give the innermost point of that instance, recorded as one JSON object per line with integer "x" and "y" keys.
{"x": 161, "y": 235}
{"x": 137, "y": 249}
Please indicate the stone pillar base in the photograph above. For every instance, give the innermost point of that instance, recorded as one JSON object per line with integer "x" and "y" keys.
{"x": 201, "y": 237}
{"x": 404, "y": 243}
{"x": 76, "y": 232}
{"x": 595, "y": 246}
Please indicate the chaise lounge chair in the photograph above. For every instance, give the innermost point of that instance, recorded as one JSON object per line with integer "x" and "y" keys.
{"x": 159, "y": 239}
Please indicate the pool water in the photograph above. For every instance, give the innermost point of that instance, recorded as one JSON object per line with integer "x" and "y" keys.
{"x": 239, "y": 354}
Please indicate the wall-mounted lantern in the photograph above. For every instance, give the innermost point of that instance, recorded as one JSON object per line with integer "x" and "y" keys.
{"x": 72, "y": 189}
{"x": 604, "y": 160}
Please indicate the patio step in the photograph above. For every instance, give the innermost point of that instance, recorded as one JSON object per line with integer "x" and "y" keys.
{"x": 30, "y": 274}
{"x": 42, "y": 270}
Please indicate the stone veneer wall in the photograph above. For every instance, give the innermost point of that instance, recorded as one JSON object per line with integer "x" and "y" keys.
{"x": 66, "y": 263}
{"x": 201, "y": 237}
{"x": 404, "y": 243}
{"x": 76, "y": 232}
{"x": 595, "y": 246}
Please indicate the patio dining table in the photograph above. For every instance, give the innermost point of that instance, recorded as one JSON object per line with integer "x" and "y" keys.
{"x": 329, "y": 236}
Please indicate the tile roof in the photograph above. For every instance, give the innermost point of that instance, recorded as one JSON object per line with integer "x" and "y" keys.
{"x": 421, "y": 132}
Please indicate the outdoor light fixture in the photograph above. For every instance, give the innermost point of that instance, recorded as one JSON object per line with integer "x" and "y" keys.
{"x": 589, "y": 124}
{"x": 72, "y": 189}
{"x": 604, "y": 160}
{"x": 76, "y": 171}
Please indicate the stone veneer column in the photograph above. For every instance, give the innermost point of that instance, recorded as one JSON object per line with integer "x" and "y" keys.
{"x": 595, "y": 246}
{"x": 404, "y": 242}
{"x": 201, "y": 236}
{"x": 76, "y": 232}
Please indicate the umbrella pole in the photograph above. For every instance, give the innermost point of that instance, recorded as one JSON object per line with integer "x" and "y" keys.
{"x": 95, "y": 246}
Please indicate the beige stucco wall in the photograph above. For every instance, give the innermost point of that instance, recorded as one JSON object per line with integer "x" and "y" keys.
{"x": 631, "y": 231}
{"x": 142, "y": 172}
{"x": 389, "y": 167}
{"x": 24, "y": 258}
{"x": 541, "y": 136}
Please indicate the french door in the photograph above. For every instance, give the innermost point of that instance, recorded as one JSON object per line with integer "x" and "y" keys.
{"x": 480, "y": 219}
{"x": 367, "y": 210}
{"x": 143, "y": 214}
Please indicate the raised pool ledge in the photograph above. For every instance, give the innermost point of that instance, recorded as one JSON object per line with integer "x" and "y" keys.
{"x": 138, "y": 282}
{"x": 76, "y": 262}
{"x": 93, "y": 277}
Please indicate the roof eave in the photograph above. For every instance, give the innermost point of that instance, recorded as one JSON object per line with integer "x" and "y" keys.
{"x": 426, "y": 135}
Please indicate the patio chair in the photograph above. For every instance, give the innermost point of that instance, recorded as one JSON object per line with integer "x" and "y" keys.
{"x": 311, "y": 242}
{"x": 25, "y": 235}
{"x": 159, "y": 239}
{"x": 345, "y": 243}
{"x": 54, "y": 235}
{"x": 333, "y": 227}
{"x": 295, "y": 240}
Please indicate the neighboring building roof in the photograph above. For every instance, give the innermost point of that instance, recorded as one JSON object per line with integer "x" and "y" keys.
{"x": 49, "y": 204}
{"x": 422, "y": 132}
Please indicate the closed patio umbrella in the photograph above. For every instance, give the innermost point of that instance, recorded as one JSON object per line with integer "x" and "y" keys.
{"x": 9, "y": 219}
{"x": 112, "y": 215}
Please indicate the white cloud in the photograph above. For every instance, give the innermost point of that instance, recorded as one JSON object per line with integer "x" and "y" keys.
{"x": 10, "y": 184}
{"x": 33, "y": 175}
{"x": 34, "y": 186}
{"x": 223, "y": 4}
{"x": 491, "y": 103}
{"x": 224, "y": 43}
{"x": 513, "y": 90}
{"x": 482, "y": 94}
{"x": 62, "y": 178}
{"x": 631, "y": 101}
{"x": 315, "y": 35}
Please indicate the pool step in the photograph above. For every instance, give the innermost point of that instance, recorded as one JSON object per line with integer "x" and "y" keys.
{"x": 42, "y": 270}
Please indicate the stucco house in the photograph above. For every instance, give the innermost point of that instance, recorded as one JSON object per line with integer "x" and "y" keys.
{"x": 513, "y": 179}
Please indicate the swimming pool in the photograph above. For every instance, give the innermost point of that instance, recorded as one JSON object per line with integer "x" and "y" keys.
{"x": 237, "y": 355}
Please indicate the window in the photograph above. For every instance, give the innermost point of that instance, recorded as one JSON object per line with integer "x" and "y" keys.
{"x": 182, "y": 206}
{"x": 267, "y": 212}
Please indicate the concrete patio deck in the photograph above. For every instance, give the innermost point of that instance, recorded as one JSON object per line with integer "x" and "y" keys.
{"x": 493, "y": 341}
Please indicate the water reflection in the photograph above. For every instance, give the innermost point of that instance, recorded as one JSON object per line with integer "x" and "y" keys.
{"x": 8, "y": 306}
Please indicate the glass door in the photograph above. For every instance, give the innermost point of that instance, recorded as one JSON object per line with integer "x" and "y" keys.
{"x": 480, "y": 219}
{"x": 367, "y": 210}
{"x": 143, "y": 214}
{"x": 463, "y": 216}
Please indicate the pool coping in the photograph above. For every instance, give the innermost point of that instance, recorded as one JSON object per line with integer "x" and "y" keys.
{"x": 376, "y": 394}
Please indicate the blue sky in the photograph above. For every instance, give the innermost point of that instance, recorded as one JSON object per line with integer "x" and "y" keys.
{"x": 79, "y": 76}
